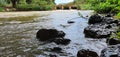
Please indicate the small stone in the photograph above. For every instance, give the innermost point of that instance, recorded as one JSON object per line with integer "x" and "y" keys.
{"x": 71, "y": 22}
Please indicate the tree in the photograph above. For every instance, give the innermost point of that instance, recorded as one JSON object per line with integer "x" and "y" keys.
{"x": 28, "y": 1}
{"x": 14, "y": 3}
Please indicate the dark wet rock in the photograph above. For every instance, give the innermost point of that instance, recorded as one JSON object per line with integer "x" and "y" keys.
{"x": 86, "y": 53}
{"x": 113, "y": 41}
{"x": 101, "y": 27}
{"x": 56, "y": 49}
{"x": 118, "y": 23}
{"x": 115, "y": 55}
{"x": 51, "y": 55}
{"x": 96, "y": 18}
{"x": 49, "y": 34}
{"x": 111, "y": 51}
{"x": 109, "y": 15}
{"x": 109, "y": 20}
{"x": 71, "y": 22}
{"x": 62, "y": 41}
{"x": 98, "y": 31}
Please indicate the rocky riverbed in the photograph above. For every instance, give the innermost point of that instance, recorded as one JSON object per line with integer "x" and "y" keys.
{"x": 18, "y": 39}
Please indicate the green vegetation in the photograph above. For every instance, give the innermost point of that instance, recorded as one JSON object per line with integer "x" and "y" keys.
{"x": 27, "y": 5}
{"x": 1, "y": 9}
{"x": 82, "y": 4}
{"x": 107, "y": 6}
{"x": 100, "y": 6}
{"x": 118, "y": 35}
{"x": 118, "y": 16}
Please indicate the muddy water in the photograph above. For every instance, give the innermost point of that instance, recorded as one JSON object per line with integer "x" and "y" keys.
{"x": 18, "y": 39}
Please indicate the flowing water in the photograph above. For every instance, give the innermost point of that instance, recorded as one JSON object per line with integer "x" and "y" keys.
{"x": 18, "y": 38}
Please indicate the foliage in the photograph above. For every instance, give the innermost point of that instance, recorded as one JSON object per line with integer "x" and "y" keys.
{"x": 32, "y": 7}
{"x": 1, "y": 9}
{"x": 118, "y": 35}
{"x": 85, "y": 6}
{"x": 29, "y": 4}
{"x": 118, "y": 16}
{"x": 108, "y": 6}
{"x": 104, "y": 8}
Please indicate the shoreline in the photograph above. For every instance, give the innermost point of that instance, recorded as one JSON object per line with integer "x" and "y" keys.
{"x": 31, "y": 13}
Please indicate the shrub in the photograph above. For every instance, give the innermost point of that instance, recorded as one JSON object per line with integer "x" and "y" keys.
{"x": 116, "y": 10}
{"x": 118, "y": 35}
{"x": 36, "y": 7}
{"x": 104, "y": 8}
{"x": 1, "y": 9}
{"x": 85, "y": 6}
{"x": 118, "y": 16}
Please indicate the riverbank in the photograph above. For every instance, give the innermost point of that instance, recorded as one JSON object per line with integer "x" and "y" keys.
{"x": 29, "y": 13}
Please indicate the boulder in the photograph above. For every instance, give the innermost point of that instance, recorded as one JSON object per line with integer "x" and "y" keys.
{"x": 86, "y": 53}
{"x": 113, "y": 41}
{"x": 98, "y": 31}
{"x": 49, "y": 34}
{"x": 96, "y": 18}
{"x": 111, "y": 51}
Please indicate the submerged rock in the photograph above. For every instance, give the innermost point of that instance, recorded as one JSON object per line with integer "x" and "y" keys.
{"x": 86, "y": 53}
{"x": 56, "y": 49}
{"x": 113, "y": 41}
{"x": 51, "y": 55}
{"x": 62, "y": 41}
{"x": 71, "y": 22}
{"x": 111, "y": 51}
{"x": 49, "y": 34}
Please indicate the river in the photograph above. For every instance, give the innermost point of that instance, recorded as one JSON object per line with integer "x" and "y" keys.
{"x": 18, "y": 39}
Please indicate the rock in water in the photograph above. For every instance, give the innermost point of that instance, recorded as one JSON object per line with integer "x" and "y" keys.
{"x": 101, "y": 27}
{"x": 56, "y": 49}
{"x": 69, "y": 22}
{"x": 99, "y": 31}
{"x": 86, "y": 53}
{"x": 96, "y": 18}
{"x": 113, "y": 41}
{"x": 49, "y": 34}
{"x": 111, "y": 51}
{"x": 62, "y": 41}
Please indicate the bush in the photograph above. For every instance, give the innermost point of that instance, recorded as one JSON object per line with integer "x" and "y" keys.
{"x": 118, "y": 16}
{"x": 118, "y": 35}
{"x": 36, "y": 7}
{"x": 104, "y": 8}
{"x": 85, "y": 6}
{"x": 116, "y": 10}
{"x": 1, "y": 9}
